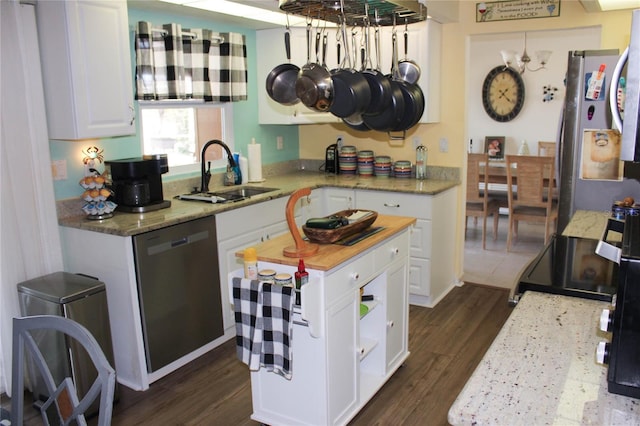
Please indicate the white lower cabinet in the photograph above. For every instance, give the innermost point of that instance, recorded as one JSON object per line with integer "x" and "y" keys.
{"x": 432, "y": 269}
{"x": 245, "y": 227}
{"x": 340, "y": 364}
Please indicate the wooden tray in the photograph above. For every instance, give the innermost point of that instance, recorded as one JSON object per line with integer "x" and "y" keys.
{"x": 328, "y": 236}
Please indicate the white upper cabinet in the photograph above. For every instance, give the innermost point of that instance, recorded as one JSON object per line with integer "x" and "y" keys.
{"x": 424, "y": 48}
{"x": 86, "y": 63}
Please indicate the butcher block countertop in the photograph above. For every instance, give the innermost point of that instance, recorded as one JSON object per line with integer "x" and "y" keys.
{"x": 330, "y": 255}
{"x": 541, "y": 370}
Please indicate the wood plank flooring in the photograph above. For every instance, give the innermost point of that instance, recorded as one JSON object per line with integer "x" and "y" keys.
{"x": 446, "y": 344}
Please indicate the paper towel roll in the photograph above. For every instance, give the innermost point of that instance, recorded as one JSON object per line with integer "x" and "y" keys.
{"x": 255, "y": 162}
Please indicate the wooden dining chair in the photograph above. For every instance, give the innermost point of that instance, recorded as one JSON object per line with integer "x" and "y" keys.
{"x": 530, "y": 180}
{"x": 479, "y": 203}
{"x": 546, "y": 149}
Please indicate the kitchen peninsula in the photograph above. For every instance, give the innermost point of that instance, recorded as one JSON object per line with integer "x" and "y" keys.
{"x": 342, "y": 355}
{"x": 105, "y": 249}
{"x": 541, "y": 369}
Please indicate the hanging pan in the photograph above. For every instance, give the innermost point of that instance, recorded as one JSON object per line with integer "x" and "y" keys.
{"x": 390, "y": 117}
{"x": 408, "y": 70}
{"x": 314, "y": 86}
{"x": 351, "y": 89}
{"x": 379, "y": 84}
{"x": 281, "y": 81}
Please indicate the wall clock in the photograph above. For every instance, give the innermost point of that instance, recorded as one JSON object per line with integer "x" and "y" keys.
{"x": 503, "y": 93}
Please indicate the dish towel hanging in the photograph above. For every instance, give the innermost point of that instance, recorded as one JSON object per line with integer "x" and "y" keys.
{"x": 264, "y": 326}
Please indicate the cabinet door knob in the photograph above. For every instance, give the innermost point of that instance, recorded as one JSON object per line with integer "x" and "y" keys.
{"x": 395, "y": 250}
{"x": 390, "y": 324}
{"x": 355, "y": 276}
{"x": 360, "y": 351}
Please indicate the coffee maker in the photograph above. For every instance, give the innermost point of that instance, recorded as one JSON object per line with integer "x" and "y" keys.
{"x": 622, "y": 354}
{"x": 137, "y": 183}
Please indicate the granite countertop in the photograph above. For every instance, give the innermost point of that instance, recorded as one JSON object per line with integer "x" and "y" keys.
{"x": 541, "y": 369}
{"x": 587, "y": 224}
{"x": 128, "y": 224}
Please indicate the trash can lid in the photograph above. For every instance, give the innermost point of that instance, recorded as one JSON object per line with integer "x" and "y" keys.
{"x": 61, "y": 287}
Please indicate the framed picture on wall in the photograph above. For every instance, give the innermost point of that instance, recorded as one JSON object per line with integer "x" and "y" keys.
{"x": 495, "y": 147}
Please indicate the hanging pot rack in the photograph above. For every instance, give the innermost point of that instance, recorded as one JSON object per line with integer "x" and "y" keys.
{"x": 380, "y": 12}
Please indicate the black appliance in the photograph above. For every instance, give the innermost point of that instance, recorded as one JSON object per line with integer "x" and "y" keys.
{"x": 137, "y": 183}
{"x": 331, "y": 159}
{"x": 570, "y": 267}
{"x": 623, "y": 353}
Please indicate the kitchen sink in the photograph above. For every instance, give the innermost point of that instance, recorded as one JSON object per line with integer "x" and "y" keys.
{"x": 226, "y": 195}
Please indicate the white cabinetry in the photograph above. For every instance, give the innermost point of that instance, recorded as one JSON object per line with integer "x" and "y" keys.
{"x": 271, "y": 53}
{"x": 339, "y": 368}
{"x": 337, "y": 199}
{"x": 85, "y": 54}
{"x": 241, "y": 228}
{"x": 432, "y": 271}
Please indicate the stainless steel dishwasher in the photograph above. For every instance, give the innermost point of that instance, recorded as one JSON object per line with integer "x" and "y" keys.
{"x": 178, "y": 289}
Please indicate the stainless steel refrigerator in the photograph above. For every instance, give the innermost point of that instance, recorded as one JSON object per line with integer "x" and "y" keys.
{"x": 586, "y": 110}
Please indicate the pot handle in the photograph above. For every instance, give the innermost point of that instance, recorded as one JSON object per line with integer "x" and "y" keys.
{"x": 397, "y": 137}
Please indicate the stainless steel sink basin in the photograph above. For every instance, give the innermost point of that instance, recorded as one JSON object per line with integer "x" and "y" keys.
{"x": 227, "y": 195}
{"x": 244, "y": 191}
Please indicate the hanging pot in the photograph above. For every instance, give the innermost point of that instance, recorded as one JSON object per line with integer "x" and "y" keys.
{"x": 413, "y": 106}
{"x": 408, "y": 70}
{"x": 388, "y": 118}
{"x": 351, "y": 90}
{"x": 379, "y": 84}
{"x": 314, "y": 86}
{"x": 281, "y": 81}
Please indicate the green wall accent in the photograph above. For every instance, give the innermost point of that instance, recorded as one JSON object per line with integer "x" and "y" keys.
{"x": 245, "y": 113}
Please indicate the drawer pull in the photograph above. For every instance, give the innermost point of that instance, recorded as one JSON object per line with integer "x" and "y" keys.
{"x": 395, "y": 251}
{"x": 391, "y": 205}
{"x": 355, "y": 276}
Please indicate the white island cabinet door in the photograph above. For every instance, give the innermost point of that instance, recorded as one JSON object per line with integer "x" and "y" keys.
{"x": 86, "y": 62}
{"x": 342, "y": 358}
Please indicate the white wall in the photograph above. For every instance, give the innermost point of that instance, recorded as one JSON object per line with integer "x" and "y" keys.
{"x": 538, "y": 120}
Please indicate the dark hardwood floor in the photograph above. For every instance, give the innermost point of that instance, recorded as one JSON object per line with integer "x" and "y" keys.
{"x": 446, "y": 344}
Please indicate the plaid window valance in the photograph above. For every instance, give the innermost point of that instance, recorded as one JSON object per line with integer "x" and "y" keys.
{"x": 180, "y": 63}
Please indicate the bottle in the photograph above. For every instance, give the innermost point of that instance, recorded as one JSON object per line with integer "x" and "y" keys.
{"x": 301, "y": 277}
{"x": 250, "y": 263}
{"x": 421, "y": 162}
{"x": 244, "y": 168}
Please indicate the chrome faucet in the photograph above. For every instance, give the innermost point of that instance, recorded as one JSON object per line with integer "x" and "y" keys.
{"x": 206, "y": 175}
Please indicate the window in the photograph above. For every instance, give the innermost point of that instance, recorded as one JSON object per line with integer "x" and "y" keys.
{"x": 181, "y": 129}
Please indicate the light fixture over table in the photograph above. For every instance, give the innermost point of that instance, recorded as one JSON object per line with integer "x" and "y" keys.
{"x": 521, "y": 62}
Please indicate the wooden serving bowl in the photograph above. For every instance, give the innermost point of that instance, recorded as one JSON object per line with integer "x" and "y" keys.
{"x": 328, "y": 236}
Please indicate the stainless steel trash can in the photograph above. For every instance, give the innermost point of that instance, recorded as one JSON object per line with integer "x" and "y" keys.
{"x": 77, "y": 297}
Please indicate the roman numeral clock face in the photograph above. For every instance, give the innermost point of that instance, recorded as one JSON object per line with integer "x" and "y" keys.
{"x": 503, "y": 93}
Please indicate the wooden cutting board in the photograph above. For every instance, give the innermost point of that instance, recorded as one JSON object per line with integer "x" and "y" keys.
{"x": 330, "y": 255}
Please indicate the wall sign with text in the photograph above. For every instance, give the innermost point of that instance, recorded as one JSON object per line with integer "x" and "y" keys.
{"x": 516, "y": 9}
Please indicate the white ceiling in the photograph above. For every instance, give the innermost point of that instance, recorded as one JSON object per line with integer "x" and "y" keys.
{"x": 443, "y": 11}
{"x": 440, "y": 10}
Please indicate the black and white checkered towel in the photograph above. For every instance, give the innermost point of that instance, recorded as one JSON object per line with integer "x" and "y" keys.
{"x": 264, "y": 326}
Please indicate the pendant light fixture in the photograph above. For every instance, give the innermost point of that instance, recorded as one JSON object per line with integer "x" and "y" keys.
{"x": 521, "y": 62}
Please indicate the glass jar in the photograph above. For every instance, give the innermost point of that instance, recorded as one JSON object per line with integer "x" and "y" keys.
{"x": 421, "y": 162}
